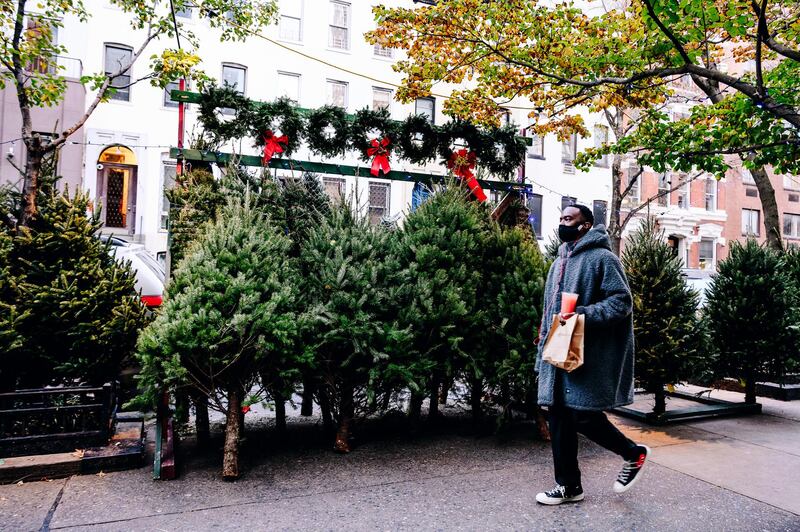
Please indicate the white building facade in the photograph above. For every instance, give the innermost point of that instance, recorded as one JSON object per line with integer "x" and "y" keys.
{"x": 315, "y": 54}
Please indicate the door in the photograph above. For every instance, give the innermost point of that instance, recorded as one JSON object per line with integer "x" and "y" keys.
{"x": 117, "y": 193}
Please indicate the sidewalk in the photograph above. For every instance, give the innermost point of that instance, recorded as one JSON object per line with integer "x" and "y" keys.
{"x": 726, "y": 474}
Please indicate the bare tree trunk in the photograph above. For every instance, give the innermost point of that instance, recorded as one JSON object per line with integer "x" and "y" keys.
{"x": 182, "y": 406}
{"x": 280, "y": 411}
{"x": 749, "y": 386}
{"x": 615, "y": 221}
{"x": 772, "y": 220}
{"x": 415, "y": 409}
{"x": 230, "y": 460}
{"x": 346, "y": 414}
{"x": 307, "y": 408}
{"x": 201, "y": 423}
{"x": 325, "y": 410}
{"x": 30, "y": 188}
{"x": 476, "y": 391}
{"x": 445, "y": 391}
{"x": 433, "y": 409}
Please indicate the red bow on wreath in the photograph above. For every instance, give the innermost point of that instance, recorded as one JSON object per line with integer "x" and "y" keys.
{"x": 380, "y": 154}
{"x": 461, "y": 163}
{"x": 272, "y": 145}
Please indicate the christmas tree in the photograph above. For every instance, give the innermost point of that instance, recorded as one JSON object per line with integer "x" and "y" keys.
{"x": 228, "y": 318}
{"x": 749, "y": 312}
{"x": 70, "y": 310}
{"x": 664, "y": 313}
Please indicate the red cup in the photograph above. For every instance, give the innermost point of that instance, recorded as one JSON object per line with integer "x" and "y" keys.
{"x": 568, "y": 302}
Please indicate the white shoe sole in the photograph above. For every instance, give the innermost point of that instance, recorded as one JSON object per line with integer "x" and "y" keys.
{"x": 542, "y": 498}
{"x": 619, "y": 488}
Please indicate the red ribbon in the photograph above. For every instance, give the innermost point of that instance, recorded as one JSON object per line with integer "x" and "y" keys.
{"x": 272, "y": 145}
{"x": 380, "y": 154}
{"x": 462, "y": 162}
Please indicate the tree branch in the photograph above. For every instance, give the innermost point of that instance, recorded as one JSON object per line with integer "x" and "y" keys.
{"x": 667, "y": 33}
{"x": 651, "y": 199}
{"x": 771, "y": 43}
{"x": 762, "y": 29}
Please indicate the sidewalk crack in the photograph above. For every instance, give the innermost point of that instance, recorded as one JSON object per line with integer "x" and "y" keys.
{"x": 49, "y": 517}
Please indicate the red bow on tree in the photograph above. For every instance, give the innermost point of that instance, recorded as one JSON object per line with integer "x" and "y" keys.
{"x": 462, "y": 163}
{"x": 272, "y": 145}
{"x": 380, "y": 154}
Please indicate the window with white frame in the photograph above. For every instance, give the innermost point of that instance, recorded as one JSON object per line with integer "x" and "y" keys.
{"x": 378, "y": 201}
{"x": 569, "y": 149}
{"x": 505, "y": 117}
{"x": 290, "y": 25}
{"x": 536, "y": 149}
{"x": 382, "y": 51}
{"x": 791, "y": 182}
{"x": 426, "y": 107}
{"x": 334, "y": 188}
{"x": 791, "y": 225}
{"x": 235, "y": 77}
{"x": 751, "y": 222}
{"x": 168, "y": 174}
{"x": 566, "y": 201}
{"x": 711, "y": 194}
{"x": 289, "y": 86}
{"x": 40, "y": 26}
{"x": 381, "y": 98}
{"x": 168, "y": 101}
{"x": 118, "y": 59}
{"x": 663, "y": 189}
{"x": 535, "y": 205}
{"x": 747, "y": 177}
{"x": 684, "y": 191}
{"x": 339, "y": 27}
{"x": 601, "y": 139}
{"x": 337, "y": 93}
{"x": 707, "y": 253}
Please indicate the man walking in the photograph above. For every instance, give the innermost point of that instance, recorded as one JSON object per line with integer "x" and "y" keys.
{"x": 586, "y": 266}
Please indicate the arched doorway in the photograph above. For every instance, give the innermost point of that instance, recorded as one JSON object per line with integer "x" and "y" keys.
{"x": 116, "y": 188}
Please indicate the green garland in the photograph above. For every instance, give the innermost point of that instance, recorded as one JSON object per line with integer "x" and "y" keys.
{"x": 418, "y": 151}
{"x": 225, "y": 97}
{"x": 282, "y": 114}
{"x": 321, "y": 118}
{"x": 367, "y": 120}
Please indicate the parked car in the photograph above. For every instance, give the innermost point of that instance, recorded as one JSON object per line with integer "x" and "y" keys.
{"x": 150, "y": 276}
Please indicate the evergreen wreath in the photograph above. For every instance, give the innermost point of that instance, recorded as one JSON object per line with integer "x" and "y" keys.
{"x": 318, "y": 120}
{"x": 282, "y": 114}
{"x": 366, "y": 120}
{"x": 461, "y": 129}
{"x": 513, "y": 151}
{"x": 418, "y": 151}
{"x": 225, "y": 97}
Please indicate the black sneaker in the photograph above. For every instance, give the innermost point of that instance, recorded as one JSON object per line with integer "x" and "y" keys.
{"x": 560, "y": 494}
{"x": 632, "y": 470}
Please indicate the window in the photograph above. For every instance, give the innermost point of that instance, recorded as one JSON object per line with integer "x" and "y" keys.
{"x": 339, "y": 27}
{"x": 289, "y": 86}
{"x": 337, "y": 93}
{"x": 290, "y": 25}
{"x": 707, "y": 252}
{"x": 711, "y": 194}
{"x": 334, "y": 188}
{"x": 505, "y": 117}
{"x": 750, "y": 222}
{"x": 536, "y": 149}
{"x": 683, "y": 191}
{"x": 535, "y": 205}
{"x": 381, "y": 98}
{"x": 600, "y": 139}
{"x": 747, "y": 177}
{"x": 791, "y": 182}
{"x": 791, "y": 225}
{"x": 599, "y": 210}
{"x": 569, "y": 149}
{"x": 566, "y": 201}
{"x": 426, "y": 107}
{"x": 663, "y": 189}
{"x": 118, "y": 59}
{"x": 382, "y": 51}
{"x": 378, "y": 202}
{"x": 632, "y": 184}
{"x": 168, "y": 101}
{"x": 751, "y": 192}
{"x": 168, "y": 174}
{"x": 234, "y": 76}
{"x": 38, "y": 28}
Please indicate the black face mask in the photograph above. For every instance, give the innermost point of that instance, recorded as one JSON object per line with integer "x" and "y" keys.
{"x": 569, "y": 233}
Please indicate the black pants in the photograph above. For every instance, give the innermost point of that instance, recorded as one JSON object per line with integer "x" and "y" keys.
{"x": 566, "y": 423}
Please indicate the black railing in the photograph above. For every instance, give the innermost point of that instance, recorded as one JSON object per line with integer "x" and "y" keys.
{"x": 49, "y": 420}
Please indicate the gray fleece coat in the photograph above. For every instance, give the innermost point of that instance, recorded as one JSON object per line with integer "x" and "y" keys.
{"x": 593, "y": 272}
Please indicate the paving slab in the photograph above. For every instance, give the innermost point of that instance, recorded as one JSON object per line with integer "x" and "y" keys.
{"x": 25, "y": 506}
{"x": 767, "y": 431}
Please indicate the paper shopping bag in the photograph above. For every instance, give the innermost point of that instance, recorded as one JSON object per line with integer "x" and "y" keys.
{"x": 564, "y": 345}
